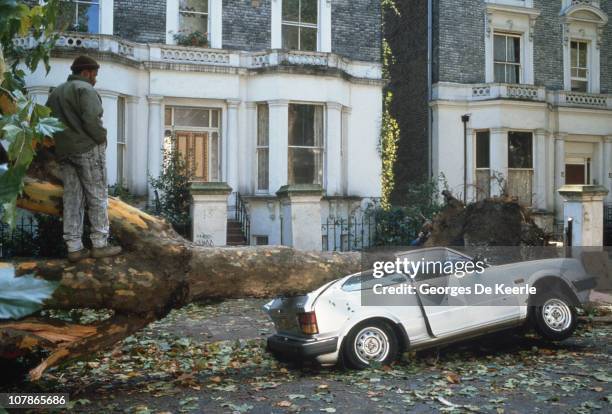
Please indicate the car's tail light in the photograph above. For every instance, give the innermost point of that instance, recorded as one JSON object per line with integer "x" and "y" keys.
{"x": 308, "y": 323}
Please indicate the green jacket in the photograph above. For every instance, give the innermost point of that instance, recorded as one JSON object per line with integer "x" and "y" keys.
{"x": 77, "y": 104}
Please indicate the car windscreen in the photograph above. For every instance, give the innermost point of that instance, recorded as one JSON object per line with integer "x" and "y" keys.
{"x": 366, "y": 280}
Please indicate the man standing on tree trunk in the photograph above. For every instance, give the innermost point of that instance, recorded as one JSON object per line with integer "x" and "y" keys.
{"x": 80, "y": 148}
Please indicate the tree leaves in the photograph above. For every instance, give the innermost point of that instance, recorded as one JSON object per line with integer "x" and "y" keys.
{"x": 22, "y": 296}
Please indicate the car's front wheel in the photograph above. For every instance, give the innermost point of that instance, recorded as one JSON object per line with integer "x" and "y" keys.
{"x": 554, "y": 317}
{"x": 370, "y": 341}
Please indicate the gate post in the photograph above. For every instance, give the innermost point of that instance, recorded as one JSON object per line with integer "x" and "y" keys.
{"x": 301, "y": 216}
{"x": 209, "y": 213}
{"x": 584, "y": 205}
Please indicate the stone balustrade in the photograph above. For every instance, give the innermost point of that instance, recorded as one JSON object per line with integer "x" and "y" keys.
{"x": 211, "y": 57}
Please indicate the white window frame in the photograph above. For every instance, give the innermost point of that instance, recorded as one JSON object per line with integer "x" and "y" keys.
{"x": 506, "y": 63}
{"x": 215, "y": 22}
{"x": 517, "y": 3}
{"x": 322, "y": 148}
{"x": 510, "y": 20}
{"x": 324, "y": 38}
{"x": 588, "y": 64}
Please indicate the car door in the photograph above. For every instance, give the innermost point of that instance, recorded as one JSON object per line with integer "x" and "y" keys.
{"x": 446, "y": 312}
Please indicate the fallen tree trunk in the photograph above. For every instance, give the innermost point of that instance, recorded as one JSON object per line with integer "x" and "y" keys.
{"x": 158, "y": 272}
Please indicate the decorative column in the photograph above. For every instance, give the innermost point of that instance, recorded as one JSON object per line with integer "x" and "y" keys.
{"x": 209, "y": 213}
{"x": 232, "y": 142}
{"x": 154, "y": 144}
{"x": 559, "y": 172}
{"x": 301, "y": 216}
{"x": 499, "y": 159}
{"x": 607, "y": 166}
{"x": 540, "y": 199}
{"x": 278, "y": 143}
{"x": 109, "y": 119}
{"x": 334, "y": 149}
{"x": 250, "y": 161}
{"x": 346, "y": 117}
{"x": 136, "y": 140}
{"x": 584, "y": 205}
{"x": 39, "y": 94}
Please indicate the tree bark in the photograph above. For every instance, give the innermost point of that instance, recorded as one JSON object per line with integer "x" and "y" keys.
{"x": 159, "y": 271}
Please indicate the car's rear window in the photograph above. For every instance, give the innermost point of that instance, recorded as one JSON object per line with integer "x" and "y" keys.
{"x": 366, "y": 280}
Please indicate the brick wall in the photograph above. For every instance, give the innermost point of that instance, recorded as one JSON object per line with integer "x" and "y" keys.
{"x": 247, "y": 24}
{"x": 140, "y": 20}
{"x": 548, "y": 45}
{"x": 356, "y": 29}
{"x": 459, "y": 38}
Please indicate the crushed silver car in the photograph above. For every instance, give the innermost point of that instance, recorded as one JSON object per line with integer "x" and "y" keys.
{"x": 338, "y": 322}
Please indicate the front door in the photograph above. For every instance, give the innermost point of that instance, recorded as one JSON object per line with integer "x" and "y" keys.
{"x": 193, "y": 147}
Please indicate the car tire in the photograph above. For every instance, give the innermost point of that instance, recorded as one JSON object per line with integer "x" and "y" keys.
{"x": 554, "y": 318}
{"x": 370, "y": 341}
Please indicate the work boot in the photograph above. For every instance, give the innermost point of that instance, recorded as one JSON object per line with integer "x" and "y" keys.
{"x": 78, "y": 255}
{"x": 107, "y": 251}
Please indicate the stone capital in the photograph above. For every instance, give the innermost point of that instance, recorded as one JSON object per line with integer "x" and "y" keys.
{"x": 293, "y": 191}
{"x": 583, "y": 192}
{"x": 132, "y": 99}
{"x": 334, "y": 106}
{"x": 209, "y": 189}
{"x": 155, "y": 99}
{"x": 105, "y": 93}
{"x": 278, "y": 103}
{"x": 233, "y": 103}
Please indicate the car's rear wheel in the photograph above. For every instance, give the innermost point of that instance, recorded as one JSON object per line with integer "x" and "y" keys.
{"x": 554, "y": 317}
{"x": 370, "y": 341}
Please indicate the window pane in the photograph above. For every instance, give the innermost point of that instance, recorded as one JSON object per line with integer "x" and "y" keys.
{"x": 482, "y": 149}
{"x": 500, "y": 72}
{"x": 514, "y": 49}
{"x": 194, "y": 5}
{"x": 262, "y": 168}
{"x": 520, "y": 150}
{"x": 168, "y": 117}
{"x": 263, "y": 120}
{"x": 214, "y": 157}
{"x": 88, "y": 18}
{"x": 579, "y": 86}
{"x": 499, "y": 48}
{"x": 290, "y": 37}
{"x": 291, "y": 10}
{"x": 512, "y": 74}
{"x": 309, "y": 11}
{"x": 193, "y": 22}
{"x": 582, "y": 56}
{"x": 214, "y": 118}
{"x": 66, "y": 16}
{"x": 191, "y": 117}
{"x": 301, "y": 125}
{"x": 308, "y": 39}
{"x": 574, "y": 54}
{"x": 581, "y": 73}
{"x": 305, "y": 166}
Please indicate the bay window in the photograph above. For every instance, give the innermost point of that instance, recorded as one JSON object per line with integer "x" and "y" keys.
{"x": 305, "y": 157}
{"x": 300, "y": 24}
{"x": 520, "y": 166}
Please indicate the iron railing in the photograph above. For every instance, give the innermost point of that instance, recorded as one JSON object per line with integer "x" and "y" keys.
{"x": 348, "y": 234}
{"x": 242, "y": 217}
{"x": 19, "y": 241}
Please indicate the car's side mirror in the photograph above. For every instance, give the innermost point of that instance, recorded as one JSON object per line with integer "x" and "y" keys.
{"x": 479, "y": 258}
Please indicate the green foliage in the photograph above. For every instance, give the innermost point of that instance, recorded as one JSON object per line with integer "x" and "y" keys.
{"x": 399, "y": 225}
{"x": 195, "y": 38}
{"x": 389, "y": 140}
{"x": 22, "y": 131}
{"x": 22, "y": 296}
{"x": 23, "y": 123}
{"x": 172, "y": 187}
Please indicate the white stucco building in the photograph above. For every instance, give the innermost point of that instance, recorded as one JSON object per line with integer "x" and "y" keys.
{"x": 293, "y": 105}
